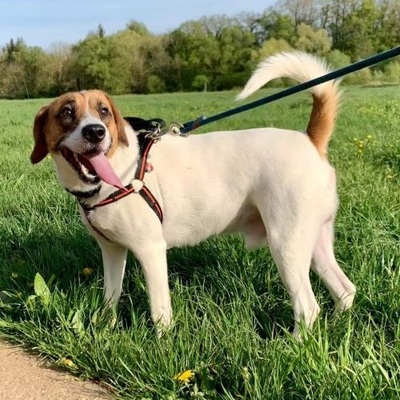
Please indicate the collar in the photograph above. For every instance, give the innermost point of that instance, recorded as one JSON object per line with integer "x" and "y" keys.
{"x": 84, "y": 194}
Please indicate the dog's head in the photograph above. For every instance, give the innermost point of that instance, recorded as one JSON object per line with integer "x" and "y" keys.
{"x": 85, "y": 128}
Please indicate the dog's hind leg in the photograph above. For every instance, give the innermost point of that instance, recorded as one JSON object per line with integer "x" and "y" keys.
{"x": 327, "y": 268}
{"x": 291, "y": 241}
{"x": 114, "y": 261}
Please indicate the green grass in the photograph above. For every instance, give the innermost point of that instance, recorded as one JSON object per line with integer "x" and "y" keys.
{"x": 232, "y": 314}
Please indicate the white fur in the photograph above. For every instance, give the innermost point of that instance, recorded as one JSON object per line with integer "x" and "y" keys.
{"x": 74, "y": 140}
{"x": 269, "y": 184}
{"x": 296, "y": 65}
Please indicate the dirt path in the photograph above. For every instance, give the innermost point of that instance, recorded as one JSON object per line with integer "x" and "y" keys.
{"x": 26, "y": 377}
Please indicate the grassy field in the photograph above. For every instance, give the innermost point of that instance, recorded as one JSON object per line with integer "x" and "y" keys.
{"x": 233, "y": 316}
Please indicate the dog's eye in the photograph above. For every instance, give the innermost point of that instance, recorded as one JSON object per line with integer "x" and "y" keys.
{"x": 104, "y": 111}
{"x": 66, "y": 112}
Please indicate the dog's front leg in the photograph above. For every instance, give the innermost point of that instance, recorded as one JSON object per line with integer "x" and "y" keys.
{"x": 114, "y": 261}
{"x": 153, "y": 259}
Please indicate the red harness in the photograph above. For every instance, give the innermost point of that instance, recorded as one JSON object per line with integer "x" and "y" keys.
{"x": 145, "y": 144}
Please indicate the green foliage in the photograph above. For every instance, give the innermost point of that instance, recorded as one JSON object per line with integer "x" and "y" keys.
{"x": 41, "y": 289}
{"x": 271, "y": 47}
{"x": 276, "y": 25}
{"x": 392, "y": 72}
{"x": 337, "y": 59}
{"x": 200, "y": 83}
{"x": 312, "y": 41}
{"x": 361, "y": 77}
{"x": 138, "y": 27}
{"x": 155, "y": 84}
{"x": 24, "y": 71}
{"x": 93, "y": 64}
{"x": 223, "y": 49}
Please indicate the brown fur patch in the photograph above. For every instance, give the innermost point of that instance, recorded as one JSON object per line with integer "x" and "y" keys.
{"x": 322, "y": 120}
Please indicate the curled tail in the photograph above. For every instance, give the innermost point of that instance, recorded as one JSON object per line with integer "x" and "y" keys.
{"x": 302, "y": 67}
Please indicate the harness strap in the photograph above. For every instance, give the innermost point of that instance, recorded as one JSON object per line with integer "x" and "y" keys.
{"x": 145, "y": 144}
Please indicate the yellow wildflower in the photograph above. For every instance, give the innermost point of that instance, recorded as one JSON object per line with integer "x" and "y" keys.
{"x": 87, "y": 271}
{"x": 68, "y": 362}
{"x": 184, "y": 376}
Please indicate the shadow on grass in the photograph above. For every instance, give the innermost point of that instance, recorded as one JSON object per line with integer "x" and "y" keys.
{"x": 389, "y": 158}
{"x": 221, "y": 267}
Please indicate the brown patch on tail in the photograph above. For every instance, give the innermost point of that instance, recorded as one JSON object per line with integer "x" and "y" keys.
{"x": 322, "y": 119}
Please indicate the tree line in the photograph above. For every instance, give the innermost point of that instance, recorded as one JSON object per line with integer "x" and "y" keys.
{"x": 211, "y": 53}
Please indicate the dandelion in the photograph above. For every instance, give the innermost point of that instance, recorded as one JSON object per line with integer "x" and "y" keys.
{"x": 68, "y": 362}
{"x": 185, "y": 376}
{"x": 87, "y": 272}
{"x": 369, "y": 137}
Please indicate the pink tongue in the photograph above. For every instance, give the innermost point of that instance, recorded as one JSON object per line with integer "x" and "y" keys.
{"x": 103, "y": 169}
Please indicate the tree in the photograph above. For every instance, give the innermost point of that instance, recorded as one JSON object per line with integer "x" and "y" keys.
{"x": 359, "y": 30}
{"x": 302, "y": 11}
{"x": 193, "y": 51}
{"x": 92, "y": 64}
{"x": 336, "y": 13}
{"x": 12, "y": 49}
{"x": 235, "y": 47}
{"x": 138, "y": 27}
{"x": 270, "y": 47}
{"x": 25, "y": 70}
{"x": 278, "y": 26}
{"x": 101, "y": 32}
{"x": 313, "y": 41}
{"x": 59, "y": 60}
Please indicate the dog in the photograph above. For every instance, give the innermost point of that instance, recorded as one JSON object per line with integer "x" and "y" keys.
{"x": 274, "y": 186}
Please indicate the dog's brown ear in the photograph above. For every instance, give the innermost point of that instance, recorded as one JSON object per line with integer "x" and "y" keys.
{"x": 40, "y": 149}
{"x": 119, "y": 121}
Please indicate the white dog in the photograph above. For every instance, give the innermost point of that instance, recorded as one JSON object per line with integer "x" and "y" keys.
{"x": 275, "y": 186}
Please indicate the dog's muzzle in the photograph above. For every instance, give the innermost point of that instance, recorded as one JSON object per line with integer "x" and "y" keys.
{"x": 94, "y": 133}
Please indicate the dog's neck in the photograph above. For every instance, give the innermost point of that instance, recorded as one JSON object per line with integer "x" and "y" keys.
{"x": 123, "y": 162}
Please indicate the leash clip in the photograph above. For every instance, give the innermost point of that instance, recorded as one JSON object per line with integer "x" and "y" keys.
{"x": 175, "y": 129}
{"x": 156, "y": 131}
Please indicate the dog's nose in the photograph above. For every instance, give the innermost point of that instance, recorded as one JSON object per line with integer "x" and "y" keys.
{"x": 94, "y": 133}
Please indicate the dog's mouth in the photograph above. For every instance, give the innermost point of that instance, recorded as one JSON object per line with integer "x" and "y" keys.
{"x": 92, "y": 166}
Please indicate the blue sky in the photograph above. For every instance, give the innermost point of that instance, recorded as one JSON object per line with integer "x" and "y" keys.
{"x": 45, "y": 22}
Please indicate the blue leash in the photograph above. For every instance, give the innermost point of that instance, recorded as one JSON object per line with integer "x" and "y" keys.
{"x": 189, "y": 126}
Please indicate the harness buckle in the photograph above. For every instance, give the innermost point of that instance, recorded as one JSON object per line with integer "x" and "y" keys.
{"x": 154, "y": 130}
